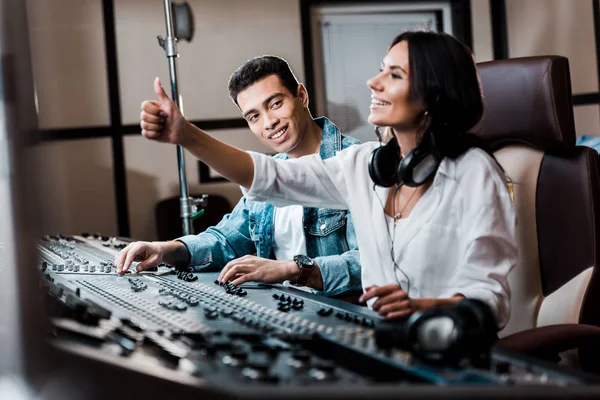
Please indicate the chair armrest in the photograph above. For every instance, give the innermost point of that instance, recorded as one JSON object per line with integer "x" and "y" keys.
{"x": 547, "y": 342}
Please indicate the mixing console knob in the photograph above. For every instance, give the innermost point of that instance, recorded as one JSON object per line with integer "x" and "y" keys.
{"x": 501, "y": 367}
{"x": 283, "y": 307}
{"x": 299, "y": 359}
{"x": 226, "y": 312}
{"x": 322, "y": 370}
{"x": 325, "y": 312}
{"x": 211, "y": 313}
{"x": 259, "y": 371}
{"x": 236, "y": 358}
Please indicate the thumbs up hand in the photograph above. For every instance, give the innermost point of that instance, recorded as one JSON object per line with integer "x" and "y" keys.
{"x": 161, "y": 120}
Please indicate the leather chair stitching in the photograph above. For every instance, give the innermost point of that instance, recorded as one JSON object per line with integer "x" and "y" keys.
{"x": 537, "y": 96}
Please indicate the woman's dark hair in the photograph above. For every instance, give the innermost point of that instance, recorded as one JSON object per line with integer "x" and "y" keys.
{"x": 259, "y": 68}
{"x": 443, "y": 77}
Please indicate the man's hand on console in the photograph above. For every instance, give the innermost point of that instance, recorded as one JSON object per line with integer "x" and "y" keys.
{"x": 149, "y": 254}
{"x": 252, "y": 268}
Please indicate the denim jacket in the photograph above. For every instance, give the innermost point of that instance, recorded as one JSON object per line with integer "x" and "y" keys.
{"x": 249, "y": 229}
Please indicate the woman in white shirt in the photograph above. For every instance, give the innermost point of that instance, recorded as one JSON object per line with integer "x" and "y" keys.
{"x": 438, "y": 226}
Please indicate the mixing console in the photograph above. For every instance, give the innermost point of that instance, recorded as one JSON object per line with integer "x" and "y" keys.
{"x": 253, "y": 333}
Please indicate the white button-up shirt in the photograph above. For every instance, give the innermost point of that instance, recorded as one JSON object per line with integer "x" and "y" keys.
{"x": 460, "y": 237}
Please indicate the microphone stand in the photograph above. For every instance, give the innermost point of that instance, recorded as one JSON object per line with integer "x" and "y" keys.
{"x": 188, "y": 206}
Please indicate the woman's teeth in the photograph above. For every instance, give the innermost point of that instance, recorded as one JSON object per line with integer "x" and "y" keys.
{"x": 380, "y": 103}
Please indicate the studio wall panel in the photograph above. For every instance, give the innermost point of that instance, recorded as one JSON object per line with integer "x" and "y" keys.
{"x": 76, "y": 186}
{"x": 152, "y": 175}
{"x": 587, "y": 120}
{"x": 482, "y": 31}
{"x": 542, "y": 27}
{"x": 228, "y": 32}
{"x": 67, "y": 50}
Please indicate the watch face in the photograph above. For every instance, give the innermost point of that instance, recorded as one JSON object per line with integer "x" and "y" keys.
{"x": 304, "y": 260}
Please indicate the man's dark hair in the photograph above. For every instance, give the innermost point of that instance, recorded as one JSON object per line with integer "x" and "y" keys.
{"x": 259, "y": 68}
{"x": 443, "y": 77}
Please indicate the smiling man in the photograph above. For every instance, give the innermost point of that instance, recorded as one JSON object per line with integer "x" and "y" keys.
{"x": 257, "y": 241}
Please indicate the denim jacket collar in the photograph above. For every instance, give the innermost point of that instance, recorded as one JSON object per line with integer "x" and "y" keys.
{"x": 331, "y": 142}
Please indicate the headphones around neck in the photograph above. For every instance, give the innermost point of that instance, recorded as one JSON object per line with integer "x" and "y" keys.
{"x": 388, "y": 168}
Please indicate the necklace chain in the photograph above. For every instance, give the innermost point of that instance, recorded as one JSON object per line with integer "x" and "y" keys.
{"x": 398, "y": 215}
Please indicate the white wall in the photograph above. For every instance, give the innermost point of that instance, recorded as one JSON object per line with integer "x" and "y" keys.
{"x": 67, "y": 45}
{"x": 76, "y": 186}
{"x": 562, "y": 27}
{"x": 482, "y": 32}
{"x": 67, "y": 51}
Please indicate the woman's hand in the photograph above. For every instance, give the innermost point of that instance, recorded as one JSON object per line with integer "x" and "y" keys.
{"x": 392, "y": 302}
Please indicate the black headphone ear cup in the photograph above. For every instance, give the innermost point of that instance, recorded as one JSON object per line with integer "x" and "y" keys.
{"x": 481, "y": 327}
{"x": 417, "y": 167}
{"x": 383, "y": 165}
{"x": 435, "y": 333}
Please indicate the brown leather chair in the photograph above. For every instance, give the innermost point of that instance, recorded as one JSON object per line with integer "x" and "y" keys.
{"x": 555, "y": 287}
{"x": 168, "y": 220}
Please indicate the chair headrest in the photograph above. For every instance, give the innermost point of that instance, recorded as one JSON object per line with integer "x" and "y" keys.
{"x": 527, "y": 100}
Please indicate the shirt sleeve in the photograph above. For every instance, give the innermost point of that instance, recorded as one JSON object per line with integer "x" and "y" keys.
{"x": 220, "y": 244}
{"x": 308, "y": 181}
{"x": 490, "y": 240}
{"x": 341, "y": 273}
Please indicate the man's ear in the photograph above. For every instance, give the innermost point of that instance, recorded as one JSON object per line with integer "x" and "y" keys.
{"x": 302, "y": 94}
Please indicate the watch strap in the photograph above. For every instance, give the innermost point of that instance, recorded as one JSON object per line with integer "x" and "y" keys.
{"x": 304, "y": 273}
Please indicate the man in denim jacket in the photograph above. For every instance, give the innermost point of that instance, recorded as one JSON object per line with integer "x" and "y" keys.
{"x": 257, "y": 241}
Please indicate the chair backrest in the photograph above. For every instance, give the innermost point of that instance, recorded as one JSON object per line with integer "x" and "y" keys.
{"x": 168, "y": 219}
{"x": 529, "y": 124}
